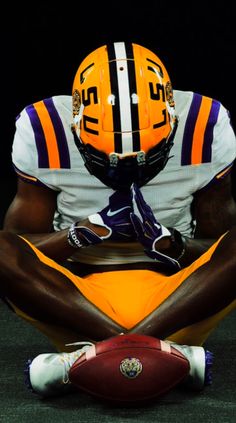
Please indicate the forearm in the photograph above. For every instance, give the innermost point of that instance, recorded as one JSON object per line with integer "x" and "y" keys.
{"x": 191, "y": 249}
{"x": 194, "y": 248}
{"x": 55, "y": 245}
{"x": 206, "y": 291}
{"x": 48, "y": 295}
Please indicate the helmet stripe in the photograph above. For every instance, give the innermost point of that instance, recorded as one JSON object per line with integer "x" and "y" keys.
{"x": 123, "y": 86}
{"x": 123, "y": 89}
{"x": 133, "y": 97}
{"x": 116, "y": 106}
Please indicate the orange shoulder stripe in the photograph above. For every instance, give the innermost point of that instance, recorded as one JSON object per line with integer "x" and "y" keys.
{"x": 199, "y": 130}
{"x": 49, "y": 133}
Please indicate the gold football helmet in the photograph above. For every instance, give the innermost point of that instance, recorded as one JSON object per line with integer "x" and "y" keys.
{"x": 124, "y": 114}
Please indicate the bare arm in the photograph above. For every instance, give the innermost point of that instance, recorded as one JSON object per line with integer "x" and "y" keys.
{"x": 214, "y": 210}
{"x": 31, "y": 215}
{"x": 32, "y": 210}
{"x": 215, "y": 213}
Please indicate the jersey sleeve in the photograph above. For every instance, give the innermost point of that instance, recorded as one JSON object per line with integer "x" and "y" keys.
{"x": 213, "y": 145}
{"x": 40, "y": 148}
{"x": 224, "y": 144}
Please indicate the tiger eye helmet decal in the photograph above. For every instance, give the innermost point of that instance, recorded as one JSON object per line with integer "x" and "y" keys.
{"x": 124, "y": 114}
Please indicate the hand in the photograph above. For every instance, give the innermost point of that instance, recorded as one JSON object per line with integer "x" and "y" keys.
{"x": 116, "y": 218}
{"x": 148, "y": 230}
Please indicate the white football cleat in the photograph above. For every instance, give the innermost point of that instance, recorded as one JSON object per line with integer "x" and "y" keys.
{"x": 47, "y": 374}
{"x": 200, "y": 361}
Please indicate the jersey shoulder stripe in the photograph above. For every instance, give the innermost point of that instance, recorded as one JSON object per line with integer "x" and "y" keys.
{"x": 198, "y": 132}
{"x": 50, "y": 137}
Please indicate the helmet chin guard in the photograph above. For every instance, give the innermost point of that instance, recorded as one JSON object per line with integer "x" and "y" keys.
{"x": 119, "y": 173}
{"x": 124, "y": 114}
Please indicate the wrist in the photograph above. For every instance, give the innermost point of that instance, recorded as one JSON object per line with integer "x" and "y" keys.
{"x": 80, "y": 236}
{"x": 96, "y": 224}
{"x": 173, "y": 245}
{"x": 177, "y": 244}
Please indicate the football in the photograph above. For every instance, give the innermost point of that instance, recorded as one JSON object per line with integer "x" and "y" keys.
{"x": 129, "y": 368}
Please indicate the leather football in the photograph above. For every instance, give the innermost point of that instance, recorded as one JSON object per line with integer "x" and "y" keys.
{"x": 129, "y": 368}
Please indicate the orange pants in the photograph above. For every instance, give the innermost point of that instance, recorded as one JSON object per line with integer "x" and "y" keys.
{"x": 128, "y": 296}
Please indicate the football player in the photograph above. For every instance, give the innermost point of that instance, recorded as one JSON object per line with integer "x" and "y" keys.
{"x": 124, "y": 219}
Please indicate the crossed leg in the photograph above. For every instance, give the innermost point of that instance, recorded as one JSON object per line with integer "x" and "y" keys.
{"x": 47, "y": 295}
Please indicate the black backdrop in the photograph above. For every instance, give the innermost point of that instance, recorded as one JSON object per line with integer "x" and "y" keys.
{"x": 44, "y": 42}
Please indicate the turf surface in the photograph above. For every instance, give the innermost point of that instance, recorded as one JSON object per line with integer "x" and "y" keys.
{"x": 19, "y": 341}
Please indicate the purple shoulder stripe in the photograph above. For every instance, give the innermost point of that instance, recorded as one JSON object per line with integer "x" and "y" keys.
{"x": 60, "y": 133}
{"x": 36, "y": 113}
{"x": 189, "y": 129}
{"x": 208, "y": 111}
{"x": 40, "y": 140}
{"x": 208, "y": 137}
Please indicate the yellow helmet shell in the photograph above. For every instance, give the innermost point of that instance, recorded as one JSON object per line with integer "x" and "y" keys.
{"x": 122, "y": 99}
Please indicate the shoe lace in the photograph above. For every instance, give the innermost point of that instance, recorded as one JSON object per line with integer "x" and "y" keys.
{"x": 68, "y": 359}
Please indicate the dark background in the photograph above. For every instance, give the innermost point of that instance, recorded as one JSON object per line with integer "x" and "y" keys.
{"x": 44, "y": 42}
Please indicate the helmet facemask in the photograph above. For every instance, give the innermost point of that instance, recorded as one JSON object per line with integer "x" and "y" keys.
{"x": 119, "y": 173}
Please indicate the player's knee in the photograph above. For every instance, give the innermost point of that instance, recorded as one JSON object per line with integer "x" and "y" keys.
{"x": 227, "y": 245}
{"x": 6, "y": 238}
{"x": 231, "y": 235}
{"x": 8, "y": 242}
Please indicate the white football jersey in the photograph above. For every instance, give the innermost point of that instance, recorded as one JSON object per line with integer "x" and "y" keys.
{"x": 44, "y": 152}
